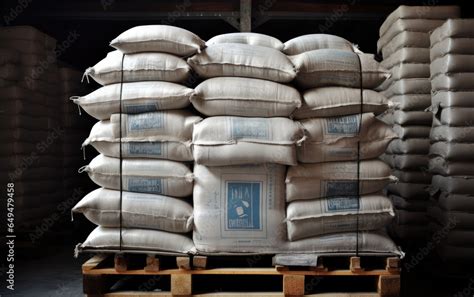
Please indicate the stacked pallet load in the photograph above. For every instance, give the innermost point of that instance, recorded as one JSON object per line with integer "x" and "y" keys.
{"x": 76, "y": 128}
{"x": 243, "y": 145}
{"x": 338, "y": 112}
{"x": 405, "y": 47}
{"x": 452, "y": 138}
{"x": 30, "y": 124}
{"x": 144, "y": 140}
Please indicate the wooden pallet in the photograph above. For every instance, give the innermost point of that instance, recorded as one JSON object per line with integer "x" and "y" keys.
{"x": 181, "y": 276}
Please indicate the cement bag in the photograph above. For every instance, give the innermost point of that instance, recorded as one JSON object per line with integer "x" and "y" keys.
{"x": 410, "y": 25}
{"x": 410, "y": 190}
{"x": 338, "y": 214}
{"x": 453, "y": 150}
{"x": 239, "y": 209}
{"x": 233, "y": 59}
{"x": 411, "y": 102}
{"x": 452, "y": 134}
{"x": 455, "y": 28}
{"x": 401, "y": 203}
{"x": 313, "y": 42}
{"x": 9, "y": 56}
{"x": 335, "y": 139}
{"x": 455, "y": 116}
{"x": 147, "y": 211}
{"x": 10, "y": 72}
{"x": 460, "y": 46}
{"x": 141, "y": 140}
{"x": 137, "y": 97}
{"x": 464, "y": 220}
{"x": 406, "y": 217}
{"x": 412, "y": 176}
{"x": 412, "y": 118}
{"x": 438, "y": 165}
{"x": 409, "y": 70}
{"x": 406, "y": 39}
{"x": 408, "y": 86}
{"x": 158, "y": 38}
{"x": 462, "y": 238}
{"x": 406, "y": 132}
{"x": 452, "y": 64}
{"x": 407, "y": 55}
{"x": 445, "y": 99}
{"x": 461, "y": 202}
{"x": 461, "y": 81}
{"x": 27, "y": 33}
{"x": 139, "y": 67}
{"x": 219, "y": 141}
{"x": 248, "y": 97}
{"x": 405, "y": 162}
{"x": 417, "y": 12}
{"x": 249, "y": 38}
{"x": 333, "y": 179}
{"x": 416, "y": 233}
{"x": 339, "y": 101}
{"x": 409, "y": 146}
{"x": 368, "y": 243}
{"x": 139, "y": 240}
{"x": 141, "y": 176}
{"x": 329, "y": 67}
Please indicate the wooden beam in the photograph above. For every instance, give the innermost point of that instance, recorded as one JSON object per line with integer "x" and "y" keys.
{"x": 293, "y": 285}
{"x": 181, "y": 284}
{"x": 389, "y": 286}
{"x": 152, "y": 263}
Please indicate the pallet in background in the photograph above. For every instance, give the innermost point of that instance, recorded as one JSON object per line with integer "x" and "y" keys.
{"x": 181, "y": 276}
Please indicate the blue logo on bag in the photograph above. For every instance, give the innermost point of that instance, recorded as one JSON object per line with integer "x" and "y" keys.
{"x": 337, "y": 204}
{"x": 249, "y": 128}
{"x": 343, "y": 125}
{"x": 341, "y": 188}
{"x": 243, "y": 205}
{"x": 145, "y": 148}
{"x": 146, "y": 185}
{"x": 146, "y": 121}
{"x": 140, "y": 108}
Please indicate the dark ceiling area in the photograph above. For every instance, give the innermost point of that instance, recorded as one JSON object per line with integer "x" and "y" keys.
{"x": 95, "y": 23}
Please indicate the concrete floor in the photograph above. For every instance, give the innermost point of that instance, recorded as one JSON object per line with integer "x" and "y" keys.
{"x": 58, "y": 274}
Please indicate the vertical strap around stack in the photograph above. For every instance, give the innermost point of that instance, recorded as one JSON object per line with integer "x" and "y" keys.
{"x": 361, "y": 107}
{"x": 120, "y": 152}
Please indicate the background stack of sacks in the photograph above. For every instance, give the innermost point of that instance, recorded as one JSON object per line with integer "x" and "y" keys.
{"x": 75, "y": 130}
{"x": 452, "y": 136}
{"x": 241, "y": 148}
{"x": 322, "y": 188}
{"x": 156, "y": 143}
{"x": 404, "y": 43}
{"x": 31, "y": 134}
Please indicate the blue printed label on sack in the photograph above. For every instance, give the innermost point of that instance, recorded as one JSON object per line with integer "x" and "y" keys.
{"x": 343, "y": 125}
{"x": 140, "y": 108}
{"x": 341, "y": 188}
{"x": 337, "y": 204}
{"x": 244, "y": 205}
{"x": 145, "y": 148}
{"x": 249, "y": 128}
{"x": 146, "y": 185}
{"x": 145, "y": 121}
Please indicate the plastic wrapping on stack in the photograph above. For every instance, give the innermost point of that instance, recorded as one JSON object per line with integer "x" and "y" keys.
{"x": 241, "y": 148}
{"x": 75, "y": 128}
{"x": 146, "y": 150}
{"x": 451, "y": 157}
{"x": 322, "y": 190}
{"x": 405, "y": 45}
{"x": 30, "y": 124}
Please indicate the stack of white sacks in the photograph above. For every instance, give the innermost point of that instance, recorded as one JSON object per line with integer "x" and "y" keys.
{"x": 242, "y": 149}
{"x": 31, "y": 150}
{"x": 405, "y": 46}
{"x": 75, "y": 130}
{"x": 156, "y": 130}
{"x": 452, "y": 136}
{"x": 322, "y": 190}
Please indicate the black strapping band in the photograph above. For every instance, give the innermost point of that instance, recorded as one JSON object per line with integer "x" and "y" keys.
{"x": 120, "y": 152}
{"x": 361, "y": 110}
